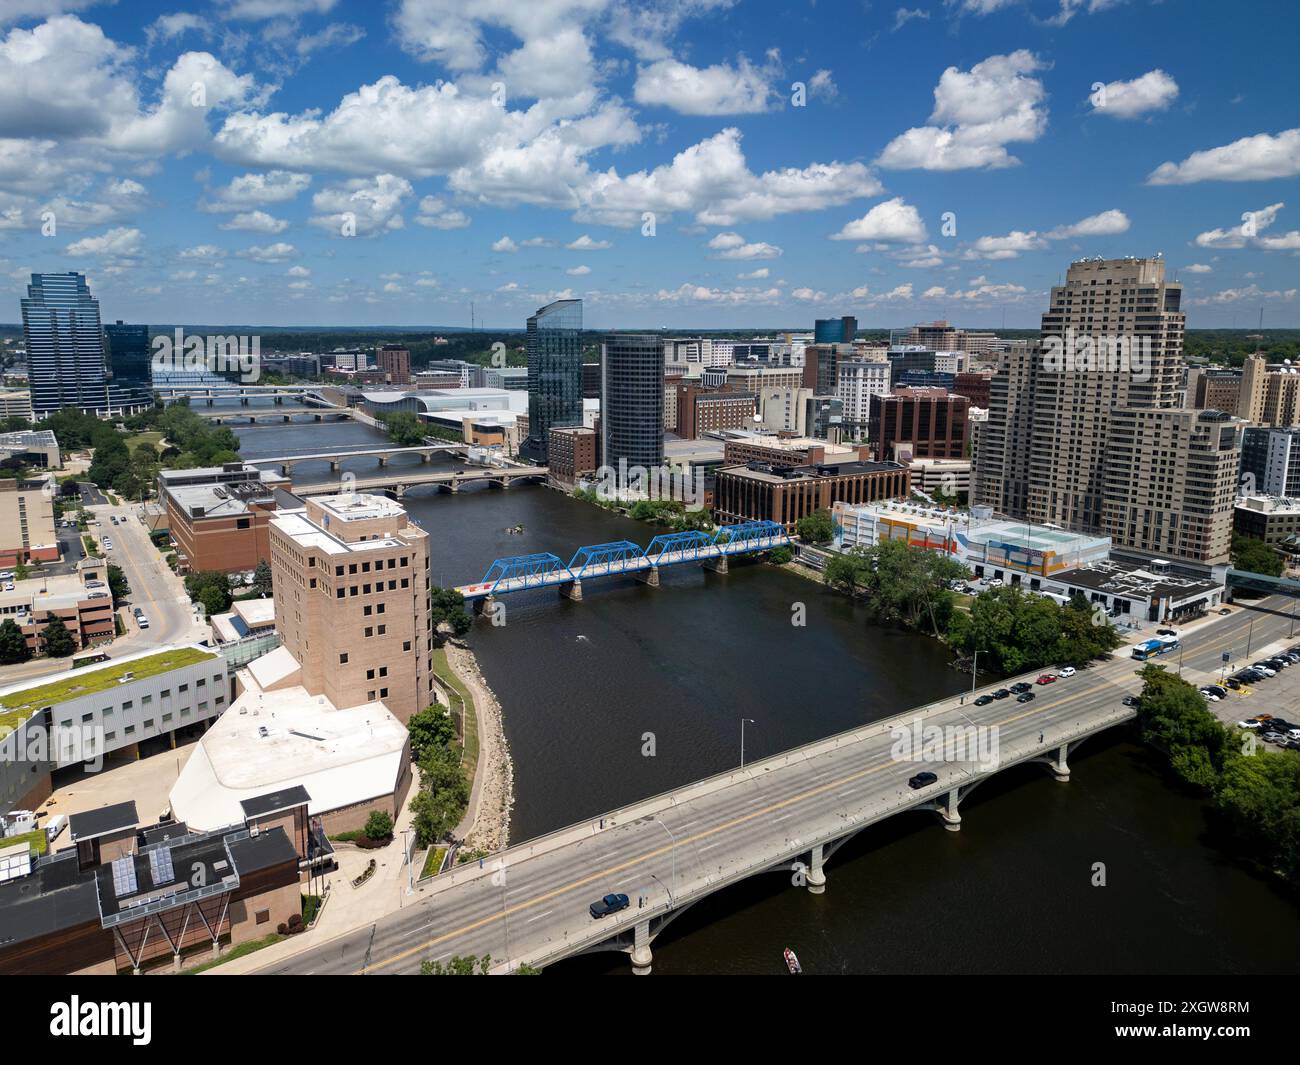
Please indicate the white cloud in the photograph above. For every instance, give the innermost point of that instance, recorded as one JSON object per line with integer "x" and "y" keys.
{"x": 257, "y": 190}
{"x": 369, "y": 206}
{"x": 298, "y": 271}
{"x": 505, "y": 244}
{"x": 256, "y": 222}
{"x": 1198, "y": 268}
{"x": 434, "y": 214}
{"x": 1008, "y": 247}
{"x": 1153, "y": 91}
{"x": 578, "y": 271}
{"x": 119, "y": 243}
{"x": 976, "y": 114}
{"x": 720, "y": 89}
{"x": 905, "y": 15}
{"x": 203, "y": 253}
{"x": 755, "y": 275}
{"x": 266, "y": 9}
{"x": 822, "y": 86}
{"x": 1250, "y": 293}
{"x": 585, "y": 243}
{"x": 1258, "y": 158}
{"x": 1107, "y": 223}
{"x": 270, "y": 253}
{"x": 1250, "y": 232}
{"x": 891, "y": 222}
{"x": 734, "y": 246}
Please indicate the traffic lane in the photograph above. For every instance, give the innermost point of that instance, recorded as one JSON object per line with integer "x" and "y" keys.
{"x": 1250, "y": 631}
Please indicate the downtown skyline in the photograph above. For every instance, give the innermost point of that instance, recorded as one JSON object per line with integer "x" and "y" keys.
{"x": 938, "y": 161}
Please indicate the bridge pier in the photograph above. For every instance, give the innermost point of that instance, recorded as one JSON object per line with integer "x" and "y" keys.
{"x": 480, "y": 605}
{"x": 641, "y": 956}
{"x": 279, "y": 401}
{"x": 335, "y": 464}
{"x": 649, "y": 576}
{"x": 572, "y": 590}
{"x": 717, "y": 565}
{"x": 288, "y": 418}
{"x": 243, "y": 401}
{"x": 816, "y": 875}
{"x": 1058, "y": 766}
{"x": 319, "y": 417}
{"x": 947, "y": 810}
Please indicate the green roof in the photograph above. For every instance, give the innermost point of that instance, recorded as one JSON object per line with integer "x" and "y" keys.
{"x": 17, "y": 706}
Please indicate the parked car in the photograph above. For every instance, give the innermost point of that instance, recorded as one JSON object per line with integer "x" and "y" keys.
{"x": 1166, "y": 632}
{"x": 1025, "y": 697}
{"x": 1132, "y": 700}
{"x": 1225, "y": 611}
{"x": 1273, "y": 737}
{"x": 984, "y": 700}
{"x": 1066, "y": 671}
{"x": 1046, "y": 678}
{"x": 1020, "y": 687}
{"x": 1209, "y": 694}
{"x": 922, "y": 780}
{"x": 611, "y": 903}
{"x": 1001, "y": 693}
{"x": 1267, "y": 670}
{"x": 1218, "y": 689}
{"x": 1249, "y": 723}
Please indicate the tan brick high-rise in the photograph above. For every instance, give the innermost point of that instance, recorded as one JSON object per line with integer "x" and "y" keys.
{"x": 1106, "y": 448}
{"x": 351, "y": 577}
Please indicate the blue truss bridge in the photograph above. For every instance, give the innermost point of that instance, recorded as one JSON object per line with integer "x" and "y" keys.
{"x": 519, "y": 573}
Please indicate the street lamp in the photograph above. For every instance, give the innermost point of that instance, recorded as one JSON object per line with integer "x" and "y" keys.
{"x": 742, "y": 738}
{"x": 673, "y": 851}
{"x": 974, "y": 673}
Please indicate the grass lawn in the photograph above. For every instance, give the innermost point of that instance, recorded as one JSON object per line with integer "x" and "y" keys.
{"x": 35, "y": 839}
{"x": 433, "y": 861}
{"x": 237, "y": 952}
{"x": 136, "y": 439}
{"x": 445, "y": 674}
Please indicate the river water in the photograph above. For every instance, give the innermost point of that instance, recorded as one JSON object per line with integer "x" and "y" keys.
{"x": 584, "y": 687}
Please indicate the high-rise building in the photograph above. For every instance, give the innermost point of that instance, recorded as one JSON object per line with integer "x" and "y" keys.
{"x": 129, "y": 362}
{"x": 395, "y": 362}
{"x": 943, "y": 336}
{"x": 1084, "y": 430}
{"x": 930, "y": 422}
{"x": 351, "y": 580}
{"x": 67, "y": 363}
{"x": 858, "y": 381}
{"x": 555, "y": 374}
{"x": 1270, "y": 462}
{"x": 835, "y": 330}
{"x": 632, "y": 400}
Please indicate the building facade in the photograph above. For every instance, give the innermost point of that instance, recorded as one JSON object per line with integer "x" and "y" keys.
{"x": 27, "y": 523}
{"x": 394, "y": 361}
{"x": 631, "y": 401}
{"x": 555, "y": 375}
{"x": 929, "y": 422}
{"x": 784, "y": 494}
{"x": 220, "y": 516}
{"x": 573, "y": 454}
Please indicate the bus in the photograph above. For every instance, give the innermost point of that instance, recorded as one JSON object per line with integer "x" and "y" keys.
{"x": 1161, "y": 645}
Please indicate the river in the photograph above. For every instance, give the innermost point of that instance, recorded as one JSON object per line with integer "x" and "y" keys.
{"x": 586, "y": 687}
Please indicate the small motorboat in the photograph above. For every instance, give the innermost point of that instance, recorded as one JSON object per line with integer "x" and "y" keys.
{"x": 792, "y": 962}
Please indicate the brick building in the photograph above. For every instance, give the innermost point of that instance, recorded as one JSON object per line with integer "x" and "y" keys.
{"x": 572, "y": 454}
{"x": 785, "y": 494}
{"x": 220, "y": 516}
{"x": 931, "y": 421}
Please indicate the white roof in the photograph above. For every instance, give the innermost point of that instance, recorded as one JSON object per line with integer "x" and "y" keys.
{"x": 341, "y": 757}
{"x": 273, "y": 667}
{"x": 256, "y": 611}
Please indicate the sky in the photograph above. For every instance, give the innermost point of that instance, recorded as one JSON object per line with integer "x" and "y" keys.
{"x": 673, "y": 163}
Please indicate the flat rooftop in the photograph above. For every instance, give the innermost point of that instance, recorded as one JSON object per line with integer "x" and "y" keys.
{"x": 295, "y": 525}
{"x": 784, "y": 475}
{"x": 19, "y": 701}
{"x": 1122, "y": 578}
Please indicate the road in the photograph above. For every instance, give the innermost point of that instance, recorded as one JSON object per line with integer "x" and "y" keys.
{"x": 530, "y": 901}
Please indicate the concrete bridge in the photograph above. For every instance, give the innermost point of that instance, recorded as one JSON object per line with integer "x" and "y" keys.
{"x": 383, "y": 455}
{"x": 212, "y": 393}
{"x": 519, "y": 573}
{"x": 253, "y": 417}
{"x": 397, "y": 481}
{"x": 786, "y": 815}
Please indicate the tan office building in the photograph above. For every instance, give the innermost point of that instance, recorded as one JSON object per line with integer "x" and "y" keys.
{"x": 1092, "y": 437}
{"x": 352, "y": 601}
{"x": 26, "y": 523}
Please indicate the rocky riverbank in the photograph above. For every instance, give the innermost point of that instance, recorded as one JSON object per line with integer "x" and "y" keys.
{"x": 493, "y": 795}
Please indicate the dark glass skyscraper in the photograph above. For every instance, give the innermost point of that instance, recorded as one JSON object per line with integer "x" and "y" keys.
{"x": 554, "y": 373}
{"x": 128, "y": 358}
{"x": 835, "y": 330}
{"x": 67, "y": 362}
{"x": 632, "y": 400}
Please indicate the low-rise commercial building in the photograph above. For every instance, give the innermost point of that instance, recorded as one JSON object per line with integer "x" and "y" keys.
{"x": 781, "y": 449}
{"x": 33, "y": 447}
{"x": 784, "y": 494}
{"x": 16, "y": 403}
{"x": 572, "y": 454}
{"x": 1273, "y": 519}
{"x": 82, "y": 603}
{"x": 27, "y": 522}
{"x": 219, "y": 515}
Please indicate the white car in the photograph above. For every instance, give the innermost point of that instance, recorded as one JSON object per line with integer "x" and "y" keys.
{"x": 1249, "y": 724}
{"x": 1209, "y": 695}
{"x": 1266, "y": 670}
{"x": 1066, "y": 671}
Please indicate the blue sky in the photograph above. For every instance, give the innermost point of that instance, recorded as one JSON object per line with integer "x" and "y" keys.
{"x": 675, "y": 163}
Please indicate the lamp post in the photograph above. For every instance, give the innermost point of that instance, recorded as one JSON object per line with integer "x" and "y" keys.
{"x": 673, "y": 851}
{"x": 743, "y": 720}
{"x": 974, "y": 673}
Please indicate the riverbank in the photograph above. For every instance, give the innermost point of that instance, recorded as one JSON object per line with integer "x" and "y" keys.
{"x": 486, "y": 824}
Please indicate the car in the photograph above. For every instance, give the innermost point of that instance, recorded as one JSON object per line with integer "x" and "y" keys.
{"x": 1046, "y": 678}
{"x": 1218, "y": 689}
{"x": 113, "y": 518}
{"x": 1209, "y": 694}
{"x": 1025, "y": 697}
{"x": 1166, "y": 632}
{"x": 984, "y": 700}
{"x": 611, "y": 903}
{"x": 1067, "y": 671}
{"x": 922, "y": 780}
{"x": 1293, "y": 733}
{"x": 996, "y": 582}
{"x": 1249, "y": 723}
{"x": 1250, "y": 676}
{"x": 1020, "y": 687}
{"x": 1273, "y": 737}
{"x": 97, "y": 595}
{"x": 1268, "y": 671}
{"x": 1001, "y": 693}
{"x": 1224, "y": 612}
{"x": 142, "y": 621}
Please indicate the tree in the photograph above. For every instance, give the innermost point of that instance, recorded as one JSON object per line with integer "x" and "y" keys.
{"x": 1013, "y": 630}
{"x": 847, "y": 572}
{"x": 908, "y": 585}
{"x": 57, "y": 639}
{"x": 13, "y": 644}
{"x": 779, "y": 556}
{"x": 1255, "y": 556}
{"x": 1173, "y": 717}
{"x": 816, "y": 528}
{"x": 117, "y": 583}
{"x": 379, "y": 825}
{"x": 404, "y": 428}
{"x": 262, "y": 578}
{"x": 431, "y": 727}
{"x": 211, "y": 588}
{"x": 447, "y": 604}
{"x": 457, "y": 966}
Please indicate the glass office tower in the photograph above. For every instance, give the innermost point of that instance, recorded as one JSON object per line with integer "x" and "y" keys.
{"x": 835, "y": 330}
{"x": 129, "y": 360}
{"x": 554, "y": 374}
{"x": 632, "y": 400}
